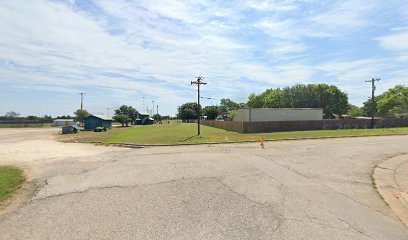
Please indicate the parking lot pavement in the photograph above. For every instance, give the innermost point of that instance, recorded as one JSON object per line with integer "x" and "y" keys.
{"x": 309, "y": 189}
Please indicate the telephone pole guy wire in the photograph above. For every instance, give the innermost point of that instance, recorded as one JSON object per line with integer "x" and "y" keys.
{"x": 373, "y": 107}
{"x": 198, "y": 82}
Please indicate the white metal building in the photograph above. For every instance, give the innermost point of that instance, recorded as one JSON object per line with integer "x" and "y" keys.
{"x": 63, "y": 122}
{"x": 277, "y": 114}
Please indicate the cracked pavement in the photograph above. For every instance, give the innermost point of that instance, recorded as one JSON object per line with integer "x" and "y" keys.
{"x": 309, "y": 189}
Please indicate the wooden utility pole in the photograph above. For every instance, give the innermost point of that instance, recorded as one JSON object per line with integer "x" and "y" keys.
{"x": 82, "y": 99}
{"x": 198, "y": 83}
{"x": 373, "y": 107}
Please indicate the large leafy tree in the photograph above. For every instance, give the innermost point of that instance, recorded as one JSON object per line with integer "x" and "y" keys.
{"x": 80, "y": 115}
{"x": 128, "y": 111}
{"x": 393, "y": 101}
{"x": 12, "y": 115}
{"x": 123, "y": 119}
{"x": 228, "y": 104}
{"x": 355, "y": 111}
{"x": 330, "y": 98}
{"x": 211, "y": 112}
{"x": 188, "y": 111}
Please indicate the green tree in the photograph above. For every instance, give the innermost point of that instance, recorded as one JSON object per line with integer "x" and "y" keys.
{"x": 12, "y": 115}
{"x": 330, "y": 98}
{"x": 123, "y": 119}
{"x": 394, "y": 100}
{"x": 355, "y": 111}
{"x": 80, "y": 115}
{"x": 129, "y": 111}
{"x": 211, "y": 112}
{"x": 32, "y": 117}
{"x": 157, "y": 117}
{"x": 188, "y": 111}
{"x": 228, "y": 104}
{"x": 256, "y": 101}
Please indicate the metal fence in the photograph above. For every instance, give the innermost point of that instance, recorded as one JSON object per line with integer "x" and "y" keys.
{"x": 24, "y": 121}
{"x": 326, "y": 124}
{"x": 19, "y": 123}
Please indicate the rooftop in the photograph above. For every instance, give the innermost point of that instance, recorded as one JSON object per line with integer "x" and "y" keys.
{"x": 103, "y": 117}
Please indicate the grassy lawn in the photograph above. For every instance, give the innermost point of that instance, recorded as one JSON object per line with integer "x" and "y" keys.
{"x": 11, "y": 179}
{"x": 185, "y": 133}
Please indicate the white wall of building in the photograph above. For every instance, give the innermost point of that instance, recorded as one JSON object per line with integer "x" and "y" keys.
{"x": 278, "y": 114}
{"x": 63, "y": 122}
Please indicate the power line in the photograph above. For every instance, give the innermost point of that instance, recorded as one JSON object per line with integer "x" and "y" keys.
{"x": 198, "y": 83}
{"x": 373, "y": 107}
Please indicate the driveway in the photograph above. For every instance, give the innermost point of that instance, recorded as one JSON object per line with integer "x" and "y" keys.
{"x": 308, "y": 189}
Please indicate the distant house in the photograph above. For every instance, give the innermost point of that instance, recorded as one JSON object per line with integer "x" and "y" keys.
{"x": 63, "y": 122}
{"x": 94, "y": 121}
{"x": 70, "y": 129}
{"x": 144, "y": 119}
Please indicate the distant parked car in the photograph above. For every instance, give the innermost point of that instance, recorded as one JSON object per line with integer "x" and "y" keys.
{"x": 100, "y": 129}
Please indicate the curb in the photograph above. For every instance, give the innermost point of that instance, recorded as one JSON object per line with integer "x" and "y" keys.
{"x": 386, "y": 181}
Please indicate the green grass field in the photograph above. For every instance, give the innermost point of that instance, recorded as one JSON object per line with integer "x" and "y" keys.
{"x": 185, "y": 133}
{"x": 11, "y": 179}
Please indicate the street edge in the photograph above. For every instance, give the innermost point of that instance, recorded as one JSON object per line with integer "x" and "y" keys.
{"x": 384, "y": 181}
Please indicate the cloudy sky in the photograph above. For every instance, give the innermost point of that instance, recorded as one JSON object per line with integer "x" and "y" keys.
{"x": 121, "y": 51}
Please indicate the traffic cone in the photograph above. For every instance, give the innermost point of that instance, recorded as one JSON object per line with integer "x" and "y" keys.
{"x": 262, "y": 143}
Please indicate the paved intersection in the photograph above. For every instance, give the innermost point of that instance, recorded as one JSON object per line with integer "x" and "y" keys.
{"x": 310, "y": 189}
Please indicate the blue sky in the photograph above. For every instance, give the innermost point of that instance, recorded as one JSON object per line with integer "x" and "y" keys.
{"x": 120, "y": 51}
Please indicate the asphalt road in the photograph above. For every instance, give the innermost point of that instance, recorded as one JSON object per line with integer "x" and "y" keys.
{"x": 309, "y": 189}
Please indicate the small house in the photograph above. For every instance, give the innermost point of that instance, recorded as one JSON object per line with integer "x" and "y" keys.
{"x": 94, "y": 121}
{"x": 70, "y": 129}
{"x": 63, "y": 122}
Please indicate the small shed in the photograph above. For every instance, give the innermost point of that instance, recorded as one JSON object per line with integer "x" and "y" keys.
{"x": 63, "y": 122}
{"x": 144, "y": 119}
{"x": 70, "y": 129}
{"x": 94, "y": 121}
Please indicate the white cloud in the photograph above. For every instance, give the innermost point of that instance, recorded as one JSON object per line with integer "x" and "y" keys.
{"x": 346, "y": 15}
{"x": 156, "y": 47}
{"x": 395, "y": 42}
{"x": 271, "y": 5}
{"x": 351, "y": 71}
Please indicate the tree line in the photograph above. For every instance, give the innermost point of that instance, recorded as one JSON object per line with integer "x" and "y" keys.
{"x": 330, "y": 98}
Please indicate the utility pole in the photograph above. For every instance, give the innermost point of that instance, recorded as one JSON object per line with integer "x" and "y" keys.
{"x": 157, "y": 112}
{"x": 153, "y": 108}
{"x": 107, "y": 110}
{"x": 373, "y": 80}
{"x": 144, "y": 104}
{"x": 198, "y": 83}
{"x": 82, "y": 99}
